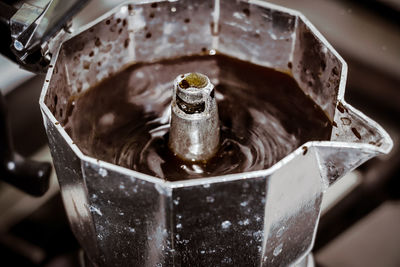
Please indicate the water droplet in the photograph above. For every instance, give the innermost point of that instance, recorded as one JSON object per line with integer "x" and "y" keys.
{"x": 258, "y": 235}
{"x": 10, "y": 165}
{"x": 132, "y": 230}
{"x": 226, "y": 224}
{"x": 96, "y": 210}
{"x": 179, "y": 226}
{"x": 103, "y": 172}
{"x": 280, "y": 231}
{"x": 227, "y": 260}
{"x": 210, "y": 199}
{"x": 244, "y": 203}
{"x": 244, "y": 222}
{"x": 278, "y": 249}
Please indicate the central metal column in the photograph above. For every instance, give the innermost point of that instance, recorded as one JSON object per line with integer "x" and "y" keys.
{"x": 194, "y": 132}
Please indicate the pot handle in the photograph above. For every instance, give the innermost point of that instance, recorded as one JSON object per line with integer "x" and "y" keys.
{"x": 29, "y": 176}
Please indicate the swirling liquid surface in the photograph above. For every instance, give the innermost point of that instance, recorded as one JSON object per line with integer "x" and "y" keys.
{"x": 264, "y": 116}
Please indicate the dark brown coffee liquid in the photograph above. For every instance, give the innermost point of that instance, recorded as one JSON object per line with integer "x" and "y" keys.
{"x": 264, "y": 116}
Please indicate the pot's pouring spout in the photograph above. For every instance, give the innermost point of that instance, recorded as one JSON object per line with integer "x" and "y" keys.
{"x": 355, "y": 139}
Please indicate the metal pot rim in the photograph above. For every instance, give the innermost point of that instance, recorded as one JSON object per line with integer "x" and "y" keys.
{"x": 369, "y": 148}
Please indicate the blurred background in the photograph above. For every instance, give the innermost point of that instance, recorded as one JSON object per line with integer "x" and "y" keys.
{"x": 360, "y": 223}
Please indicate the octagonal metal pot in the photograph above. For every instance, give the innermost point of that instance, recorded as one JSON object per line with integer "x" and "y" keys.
{"x": 262, "y": 218}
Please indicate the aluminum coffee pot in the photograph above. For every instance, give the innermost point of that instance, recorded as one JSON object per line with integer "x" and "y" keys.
{"x": 269, "y": 217}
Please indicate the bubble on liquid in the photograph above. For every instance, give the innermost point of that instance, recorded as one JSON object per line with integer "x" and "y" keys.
{"x": 226, "y": 224}
{"x": 278, "y": 249}
{"x": 107, "y": 120}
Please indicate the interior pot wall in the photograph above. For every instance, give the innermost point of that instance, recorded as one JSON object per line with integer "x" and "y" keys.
{"x": 134, "y": 33}
{"x": 316, "y": 68}
{"x": 256, "y": 33}
{"x": 261, "y": 34}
